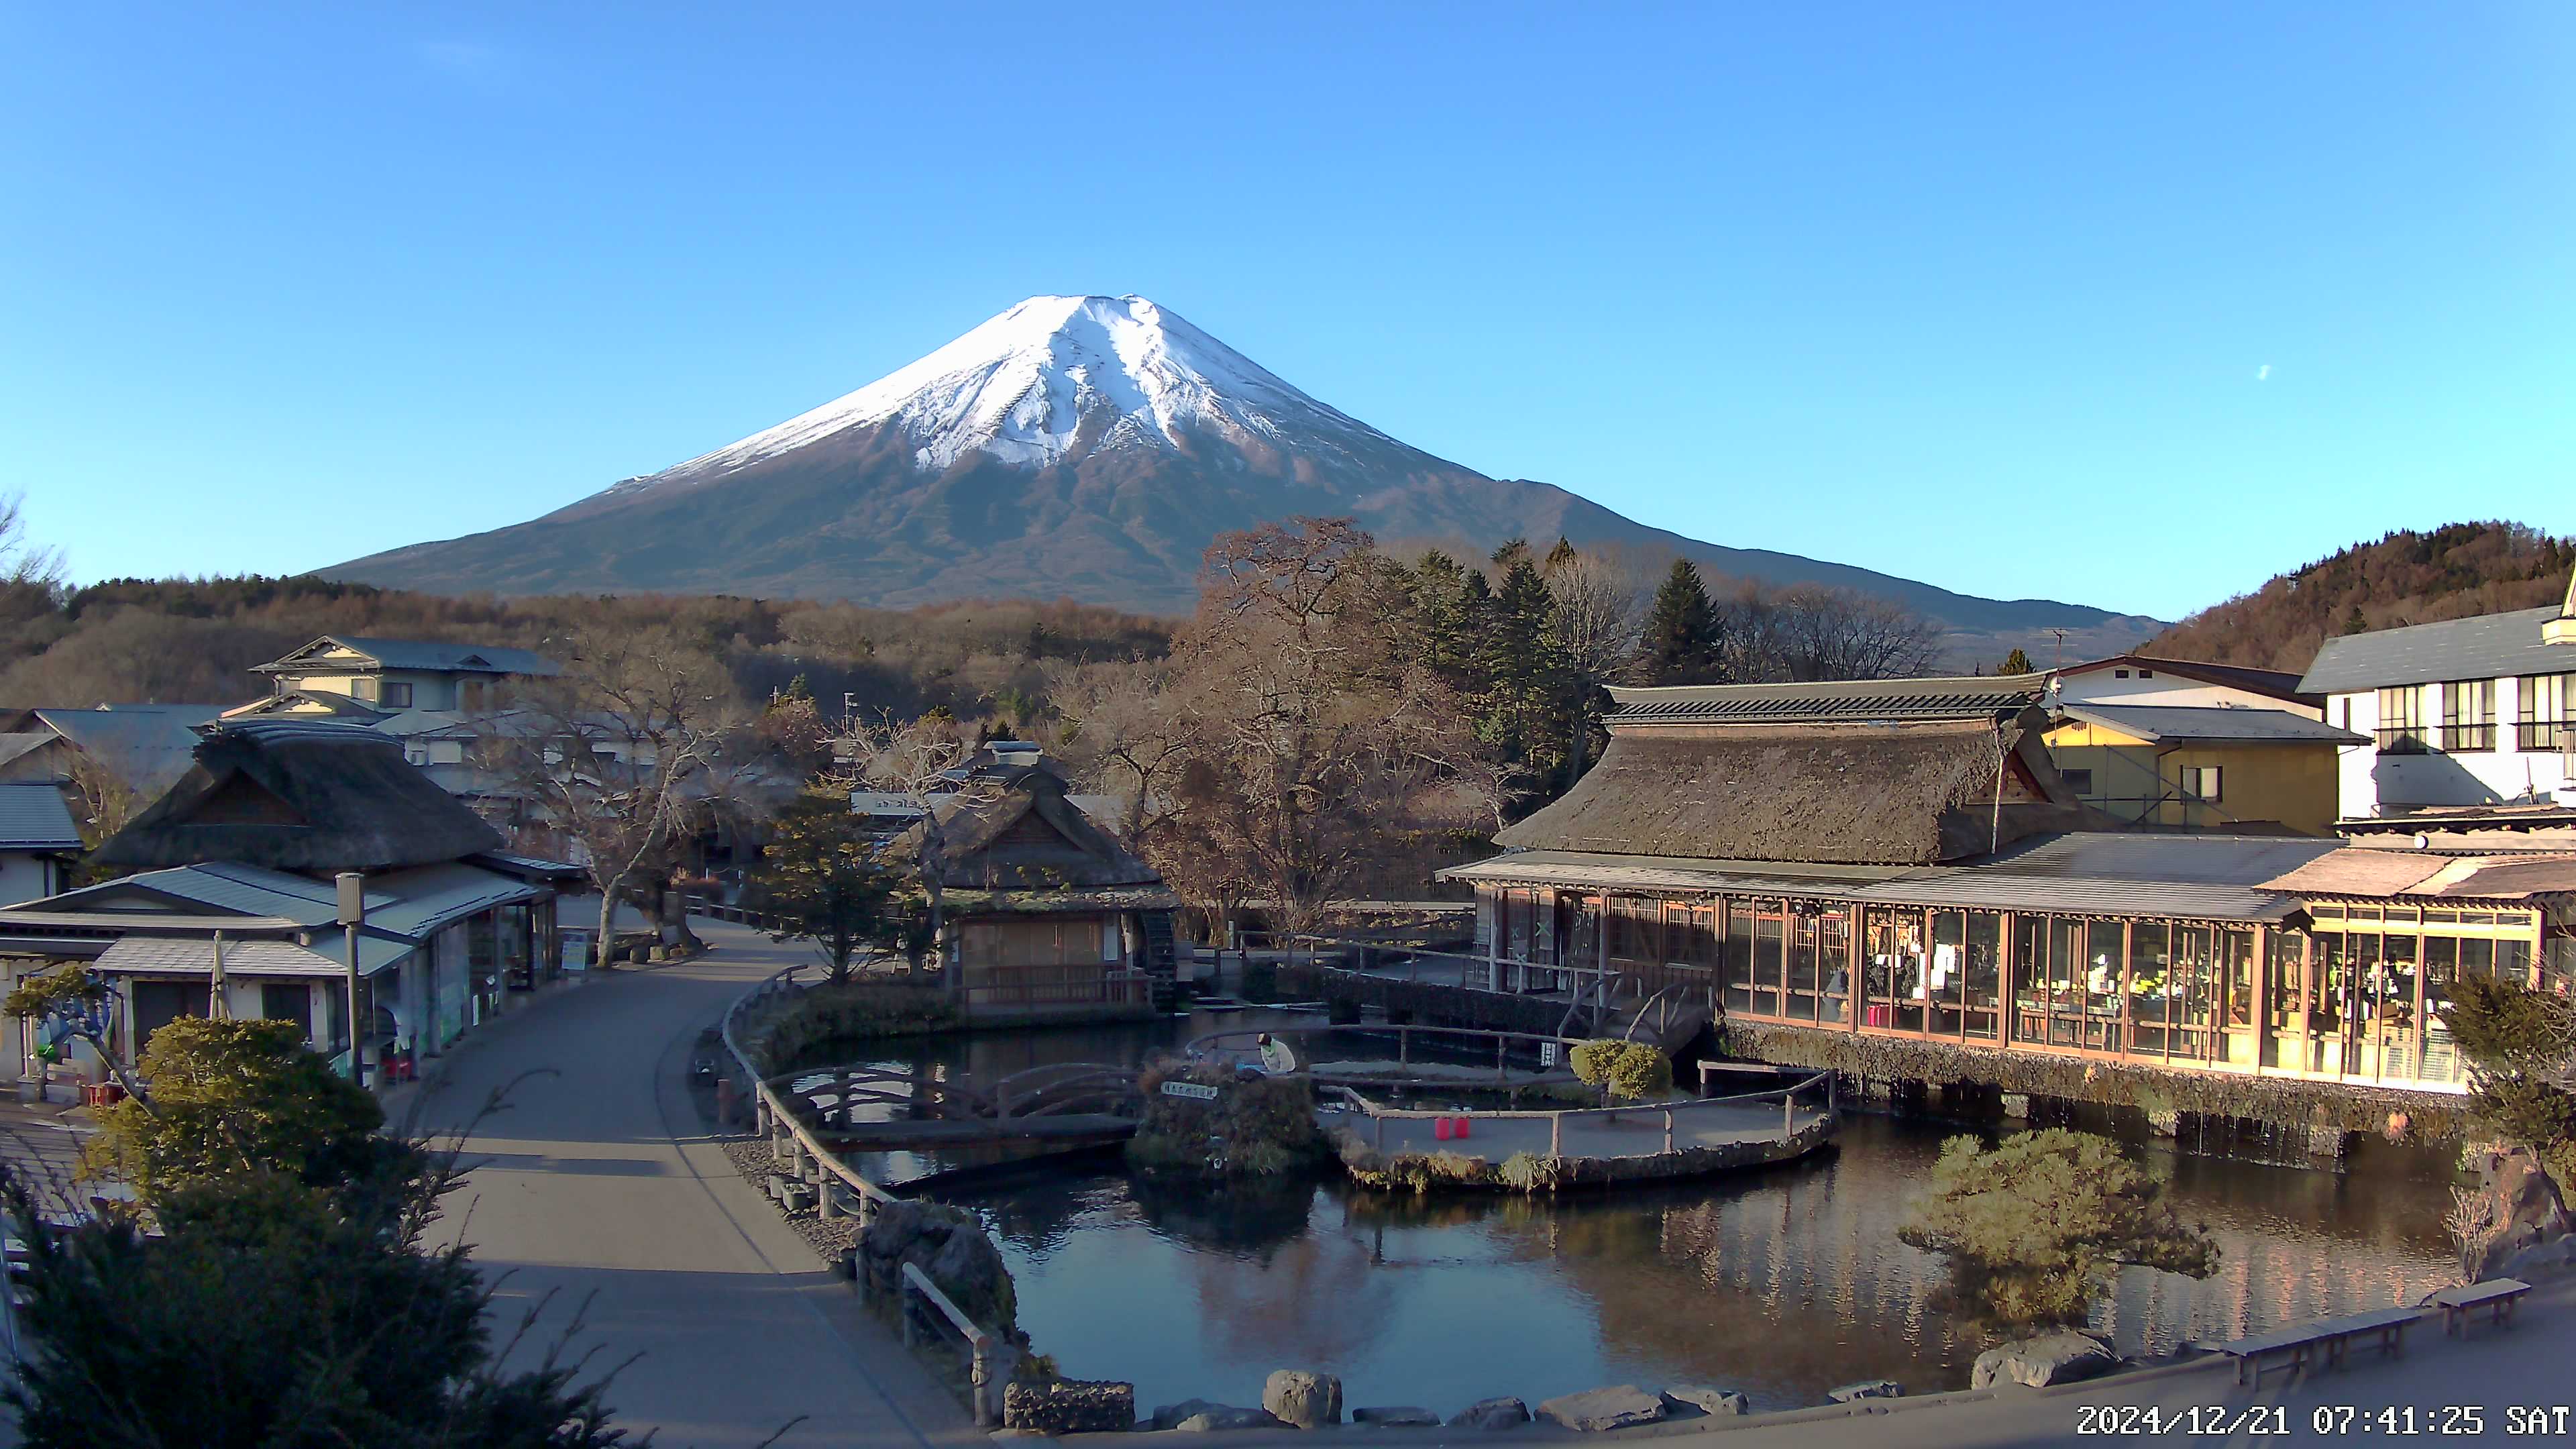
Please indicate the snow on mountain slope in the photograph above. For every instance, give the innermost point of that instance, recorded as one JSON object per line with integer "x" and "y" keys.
{"x": 1051, "y": 375}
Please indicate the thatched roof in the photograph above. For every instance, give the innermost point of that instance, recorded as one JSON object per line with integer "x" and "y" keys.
{"x": 1861, "y": 794}
{"x": 1013, "y": 830}
{"x": 301, "y": 796}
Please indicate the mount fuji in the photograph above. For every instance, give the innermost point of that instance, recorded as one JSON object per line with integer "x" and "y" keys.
{"x": 1085, "y": 448}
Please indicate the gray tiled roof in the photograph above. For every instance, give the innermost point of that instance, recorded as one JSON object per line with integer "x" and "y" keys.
{"x": 2182, "y": 877}
{"x": 1806, "y": 702}
{"x": 2489, "y": 646}
{"x": 34, "y": 817}
{"x": 428, "y": 654}
{"x": 195, "y": 956}
{"x": 2160, "y": 722}
{"x": 146, "y": 746}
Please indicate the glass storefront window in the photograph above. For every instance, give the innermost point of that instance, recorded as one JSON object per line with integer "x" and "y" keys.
{"x": 1984, "y": 980}
{"x": 2150, "y": 1004}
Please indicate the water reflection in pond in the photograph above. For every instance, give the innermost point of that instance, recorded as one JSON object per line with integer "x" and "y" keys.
{"x": 1783, "y": 1284}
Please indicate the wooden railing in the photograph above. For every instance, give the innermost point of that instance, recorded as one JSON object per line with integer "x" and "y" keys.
{"x": 796, "y": 1150}
{"x": 1788, "y": 1095}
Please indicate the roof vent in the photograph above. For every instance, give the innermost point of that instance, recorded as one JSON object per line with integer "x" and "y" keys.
{"x": 2562, "y": 630}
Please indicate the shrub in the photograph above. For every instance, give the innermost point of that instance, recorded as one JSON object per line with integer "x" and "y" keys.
{"x": 1627, "y": 1071}
{"x": 2033, "y": 1224}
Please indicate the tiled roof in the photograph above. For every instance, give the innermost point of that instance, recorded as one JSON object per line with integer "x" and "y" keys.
{"x": 424, "y": 654}
{"x": 1856, "y": 701}
{"x": 2490, "y": 646}
{"x": 2164, "y": 722}
{"x": 194, "y": 956}
{"x": 34, "y": 817}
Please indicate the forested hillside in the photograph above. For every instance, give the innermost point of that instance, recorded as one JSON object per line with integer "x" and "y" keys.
{"x": 193, "y": 641}
{"x": 2408, "y": 577}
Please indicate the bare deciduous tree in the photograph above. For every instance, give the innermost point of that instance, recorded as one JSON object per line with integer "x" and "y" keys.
{"x": 1309, "y": 737}
{"x": 627, "y": 753}
{"x": 917, "y": 760}
{"x": 1600, "y": 604}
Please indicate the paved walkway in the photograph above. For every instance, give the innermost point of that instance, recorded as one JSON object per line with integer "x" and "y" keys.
{"x": 600, "y": 1182}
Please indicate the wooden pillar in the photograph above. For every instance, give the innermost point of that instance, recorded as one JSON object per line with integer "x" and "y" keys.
{"x": 2259, "y": 1010}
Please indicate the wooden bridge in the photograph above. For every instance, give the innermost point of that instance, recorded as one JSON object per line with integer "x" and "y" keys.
{"x": 865, "y": 1108}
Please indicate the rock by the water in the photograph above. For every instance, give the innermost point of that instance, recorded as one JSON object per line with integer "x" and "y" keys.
{"x": 1218, "y": 1417}
{"x": 1866, "y": 1389}
{"x": 1595, "y": 1410}
{"x": 1504, "y": 1413}
{"x": 1303, "y": 1399}
{"x": 1170, "y": 1414}
{"x": 1720, "y": 1402}
{"x": 1397, "y": 1418}
{"x": 2521, "y": 1209}
{"x": 2056, "y": 1358}
{"x": 1070, "y": 1406}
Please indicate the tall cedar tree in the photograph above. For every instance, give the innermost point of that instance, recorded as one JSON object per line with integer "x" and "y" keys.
{"x": 1533, "y": 703}
{"x": 2015, "y": 663}
{"x": 1681, "y": 642}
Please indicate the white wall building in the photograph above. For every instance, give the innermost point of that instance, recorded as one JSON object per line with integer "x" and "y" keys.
{"x": 2469, "y": 719}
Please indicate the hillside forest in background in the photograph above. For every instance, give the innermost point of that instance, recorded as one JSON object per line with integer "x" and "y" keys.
{"x": 2408, "y": 577}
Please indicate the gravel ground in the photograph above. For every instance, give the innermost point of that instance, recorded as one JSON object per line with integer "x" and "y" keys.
{"x": 829, "y": 1240}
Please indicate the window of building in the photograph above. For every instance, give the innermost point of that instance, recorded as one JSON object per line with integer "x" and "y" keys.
{"x": 2402, "y": 723}
{"x": 2119, "y": 674}
{"x": 2079, "y": 781}
{"x": 397, "y": 695}
{"x": 363, "y": 688}
{"x": 2468, "y": 715}
{"x": 2146, "y": 674}
{"x": 2346, "y": 702}
{"x": 2541, "y": 711}
{"x": 2200, "y": 782}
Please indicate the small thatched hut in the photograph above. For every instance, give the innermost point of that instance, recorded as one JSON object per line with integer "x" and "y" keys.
{"x": 1046, "y": 915}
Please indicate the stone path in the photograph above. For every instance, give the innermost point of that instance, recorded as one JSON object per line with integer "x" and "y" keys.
{"x": 601, "y": 1184}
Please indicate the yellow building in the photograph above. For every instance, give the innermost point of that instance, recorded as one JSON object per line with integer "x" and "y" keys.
{"x": 2180, "y": 767}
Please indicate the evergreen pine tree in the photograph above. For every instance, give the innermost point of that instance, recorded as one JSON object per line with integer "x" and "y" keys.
{"x": 1680, "y": 641}
{"x": 2015, "y": 663}
{"x": 1563, "y": 553}
{"x": 2353, "y": 623}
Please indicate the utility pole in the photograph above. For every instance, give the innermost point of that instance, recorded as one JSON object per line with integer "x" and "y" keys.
{"x": 353, "y": 914}
{"x": 2058, "y": 661}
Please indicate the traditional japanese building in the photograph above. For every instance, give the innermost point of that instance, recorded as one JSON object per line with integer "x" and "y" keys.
{"x": 1903, "y": 863}
{"x": 1046, "y": 916}
{"x": 233, "y": 906}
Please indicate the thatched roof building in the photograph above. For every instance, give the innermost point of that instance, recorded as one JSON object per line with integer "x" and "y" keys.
{"x": 301, "y": 796}
{"x": 1012, "y": 841}
{"x": 1884, "y": 772}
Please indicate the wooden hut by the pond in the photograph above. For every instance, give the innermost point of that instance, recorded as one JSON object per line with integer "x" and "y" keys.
{"x": 1045, "y": 916}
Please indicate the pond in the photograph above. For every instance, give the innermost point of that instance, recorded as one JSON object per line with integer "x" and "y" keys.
{"x": 1781, "y": 1284}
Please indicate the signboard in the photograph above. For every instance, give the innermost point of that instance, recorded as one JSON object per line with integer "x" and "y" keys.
{"x": 1189, "y": 1089}
{"x": 1546, "y": 1055}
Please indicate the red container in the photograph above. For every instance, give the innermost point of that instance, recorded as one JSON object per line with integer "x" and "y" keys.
{"x": 1440, "y": 1128}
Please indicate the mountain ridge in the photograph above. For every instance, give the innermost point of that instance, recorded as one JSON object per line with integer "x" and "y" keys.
{"x": 1078, "y": 447}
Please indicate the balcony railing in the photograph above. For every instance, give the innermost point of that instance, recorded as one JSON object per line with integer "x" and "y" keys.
{"x": 2467, "y": 739}
{"x": 2544, "y": 734}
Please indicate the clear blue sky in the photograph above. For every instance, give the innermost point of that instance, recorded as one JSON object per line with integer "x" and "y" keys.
{"x": 2134, "y": 309}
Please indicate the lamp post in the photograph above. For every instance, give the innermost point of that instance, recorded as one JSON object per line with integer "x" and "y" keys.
{"x": 352, "y": 915}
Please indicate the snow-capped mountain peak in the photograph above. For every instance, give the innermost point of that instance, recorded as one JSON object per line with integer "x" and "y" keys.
{"x": 1051, "y": 376}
